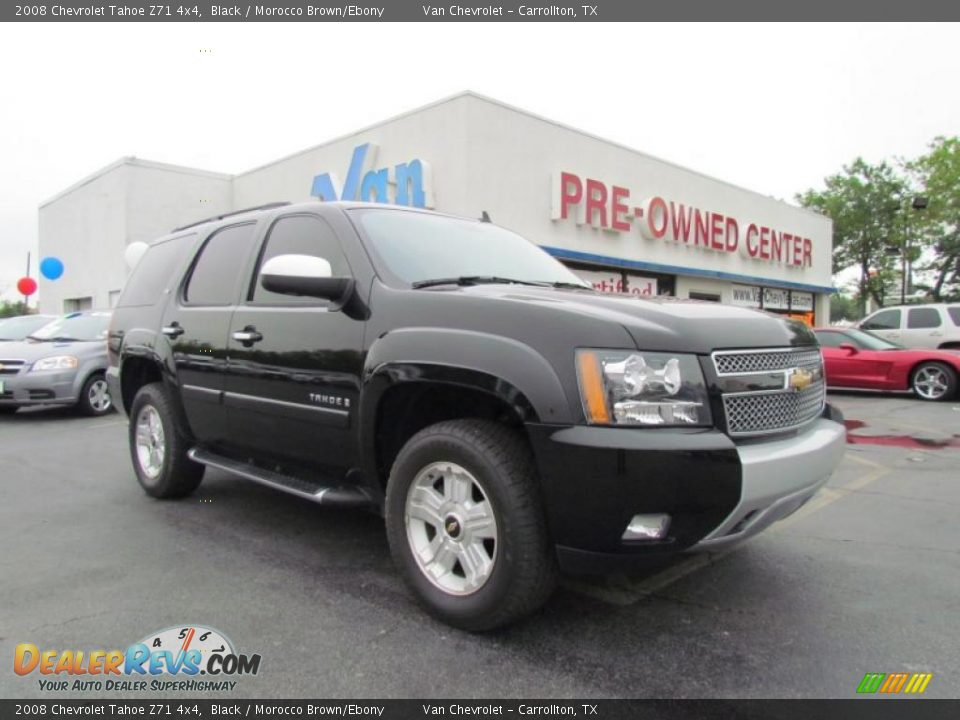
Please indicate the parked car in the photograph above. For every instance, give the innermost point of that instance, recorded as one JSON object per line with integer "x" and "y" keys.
{"x": 855, "y": 358}
{"x": 17, "y": 328}
{"x": 62, "y": 363}
{"x": 935, "y": 326}
{"x": 502, "y": 415}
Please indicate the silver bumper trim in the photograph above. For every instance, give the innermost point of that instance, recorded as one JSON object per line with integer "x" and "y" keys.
{"x": 778, "y": 478}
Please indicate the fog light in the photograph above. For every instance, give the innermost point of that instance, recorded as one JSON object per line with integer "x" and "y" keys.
{"x": 647, "y": 527}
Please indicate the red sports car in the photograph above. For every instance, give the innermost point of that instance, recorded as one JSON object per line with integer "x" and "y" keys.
{"x": 858, "y": 359}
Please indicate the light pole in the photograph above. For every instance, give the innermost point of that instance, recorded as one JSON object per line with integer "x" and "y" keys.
{"x": 918, "y": 203}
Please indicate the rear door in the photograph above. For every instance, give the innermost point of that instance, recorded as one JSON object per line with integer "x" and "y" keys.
{"x": 924, "y": 328}
{"x": 196, "y": 324}
{"x": 293, "y": 375}
{"x": 885, "y": 323}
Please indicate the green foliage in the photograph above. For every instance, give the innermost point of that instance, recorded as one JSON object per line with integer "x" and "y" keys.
{"x": 843, "y": 307}
{"x": 864, "y": 202}
{"x": 12, "y": 309}
{"x": 938, "y": 174}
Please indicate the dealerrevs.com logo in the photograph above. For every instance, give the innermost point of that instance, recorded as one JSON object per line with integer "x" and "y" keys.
{"x": 180, "y": 658}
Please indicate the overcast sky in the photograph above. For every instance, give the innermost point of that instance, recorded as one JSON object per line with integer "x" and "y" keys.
{"x": 773, "y": 108}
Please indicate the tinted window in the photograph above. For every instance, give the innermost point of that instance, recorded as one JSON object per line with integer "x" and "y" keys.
{"x": 217, "y": 271}
{"x": 954, "y": 313}
{"x": 886, "y": 320}
{"x": 153, "y": 274}
{"x": 420, "y": 246}
{"x": 299, "y": 235}
{"x": 923, "y": 318}
{"x": 868, "y": 341}
{"x": 831, "y": 339}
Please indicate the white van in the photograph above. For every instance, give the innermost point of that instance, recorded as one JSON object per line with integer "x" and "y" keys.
{"x": 917, "y": 326}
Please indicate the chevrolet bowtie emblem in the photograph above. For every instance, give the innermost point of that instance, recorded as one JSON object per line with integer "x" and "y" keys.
{"x": 799, "y": 379}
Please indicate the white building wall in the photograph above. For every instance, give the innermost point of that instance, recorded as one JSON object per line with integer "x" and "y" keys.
{"x": 89, "y": 226}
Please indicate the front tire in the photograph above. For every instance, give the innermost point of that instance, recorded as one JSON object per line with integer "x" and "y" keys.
{"x": 466, "y": 524}
{"x": 8, "y": 409}
{"x": 158, "y": 447}
{"x": 934, "y": 381}
{"x": 95, "y": 397}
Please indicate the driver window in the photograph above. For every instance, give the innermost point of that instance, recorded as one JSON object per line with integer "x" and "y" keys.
{"x": 886, "y": 320}
{"x": 832, "y": 339}
{"x": 298, "y": 235}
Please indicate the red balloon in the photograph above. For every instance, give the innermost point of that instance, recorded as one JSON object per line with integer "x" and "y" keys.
{"x": 27, "y": 286}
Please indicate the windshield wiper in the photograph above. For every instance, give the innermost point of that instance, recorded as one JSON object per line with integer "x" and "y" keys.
{"x": 475, "y": 280}
{"x": 58, "y": 338}
{"x": 570, "y": 286}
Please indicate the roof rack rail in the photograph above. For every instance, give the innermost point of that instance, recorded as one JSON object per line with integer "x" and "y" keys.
{"x": 268, "y": 206}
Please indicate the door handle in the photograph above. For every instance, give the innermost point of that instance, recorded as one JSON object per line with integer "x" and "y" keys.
{"x": 247, "y": 336}
{"x": 173, "y": 330}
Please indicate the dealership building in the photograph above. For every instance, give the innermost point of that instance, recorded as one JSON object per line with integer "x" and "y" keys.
{"x": 623, "y": 220}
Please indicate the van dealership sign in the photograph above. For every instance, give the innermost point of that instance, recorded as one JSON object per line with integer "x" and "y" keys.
{"x": 608, "y": 207}
{"x": 408, "y": 183}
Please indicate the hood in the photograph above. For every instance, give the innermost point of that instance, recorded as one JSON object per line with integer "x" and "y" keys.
{"x": 664, "y": 323}
{"x": 31, "y": 351}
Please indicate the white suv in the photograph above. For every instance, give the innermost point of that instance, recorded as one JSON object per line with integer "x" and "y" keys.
{"x": 917, "y": 326}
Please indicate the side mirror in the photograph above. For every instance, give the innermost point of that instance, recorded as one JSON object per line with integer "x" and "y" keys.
{"x": 304, "y": 275}
{"x": 849, "y": 347}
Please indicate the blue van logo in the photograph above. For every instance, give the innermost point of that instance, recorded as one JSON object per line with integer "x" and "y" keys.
{"x": 408, "y": 183}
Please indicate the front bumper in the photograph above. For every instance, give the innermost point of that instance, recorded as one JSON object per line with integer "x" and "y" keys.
{"x": 595, "y": 479}
{"x": 40, "y": 388}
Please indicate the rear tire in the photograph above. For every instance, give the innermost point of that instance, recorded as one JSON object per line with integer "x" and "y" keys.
{"x": 934, "y": 381}
{"x": 158, "y": 447}
{"x": 95, "y": 397}
{"x": 466, "y": 524}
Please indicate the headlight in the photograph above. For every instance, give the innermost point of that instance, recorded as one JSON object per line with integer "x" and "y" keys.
{"x": 622, "y": 387}
{"x": 60, "y": 362}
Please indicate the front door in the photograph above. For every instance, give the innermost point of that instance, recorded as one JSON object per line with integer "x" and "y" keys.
{"x": 293, "y": 375}
{"x": 196, "y": 325}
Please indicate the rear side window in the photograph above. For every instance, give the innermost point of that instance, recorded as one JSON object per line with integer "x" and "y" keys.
{"x": 298, "y": 235}
{"x": 217, "y": 271}
{"x": 886, "y": 320}
{"x": 954, "y": 313}
{"x": 919, "y": 318}
{"x": 154, "y": 273}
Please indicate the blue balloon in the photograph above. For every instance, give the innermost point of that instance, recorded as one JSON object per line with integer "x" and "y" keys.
{"x": 51, "y": 268}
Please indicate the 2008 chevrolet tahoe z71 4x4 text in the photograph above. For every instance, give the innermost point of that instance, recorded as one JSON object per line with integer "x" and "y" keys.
{"x": 506, "y": 419}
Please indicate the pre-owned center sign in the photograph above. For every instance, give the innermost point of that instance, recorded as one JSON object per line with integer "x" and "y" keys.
{"x": 593, "y": 202}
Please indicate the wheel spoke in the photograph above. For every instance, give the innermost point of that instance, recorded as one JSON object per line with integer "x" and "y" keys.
{"x": 445, "y": 558}
{"x": 479, "y": 522}
{"x": 476, "y": 563}
{"x": 424, "y": 505}
{"x": 457, "y": 488}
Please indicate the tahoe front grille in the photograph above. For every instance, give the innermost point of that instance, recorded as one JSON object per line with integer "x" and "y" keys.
{"x": 793, "y": 389}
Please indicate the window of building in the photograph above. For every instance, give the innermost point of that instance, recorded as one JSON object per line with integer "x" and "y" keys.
{"x": 919, "y": 318}
{"x": 298, "y": 235}
{"x": 71, "y": 305}
{"x": 217, "y": 271}
{"x": 710, "y": 297}
{"x": 884, "y": 320}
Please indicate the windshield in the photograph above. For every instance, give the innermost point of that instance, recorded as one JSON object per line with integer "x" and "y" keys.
{"x": 87, "y": 327}
{"x": 417, "y": 247}
{"x": 868, "y": 341}
{"x": 17, "y": 328}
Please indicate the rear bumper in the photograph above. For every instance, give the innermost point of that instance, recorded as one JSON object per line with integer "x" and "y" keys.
{"x": 596, "y": 479}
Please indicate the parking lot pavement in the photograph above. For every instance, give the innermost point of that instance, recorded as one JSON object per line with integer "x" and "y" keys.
{"x": 865, "y": 578}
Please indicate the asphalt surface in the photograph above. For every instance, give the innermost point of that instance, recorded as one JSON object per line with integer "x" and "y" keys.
{"x": 865, "y": 578}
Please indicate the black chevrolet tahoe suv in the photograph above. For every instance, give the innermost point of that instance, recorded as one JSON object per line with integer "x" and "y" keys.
{"x": 507, "y": 420}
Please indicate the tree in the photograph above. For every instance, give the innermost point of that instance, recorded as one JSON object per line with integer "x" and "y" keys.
{"x": 938, "y": 173}
{"x": 12, "y": 309}
{"x": 866, "y": 205}
{"x": 843, "y": 307}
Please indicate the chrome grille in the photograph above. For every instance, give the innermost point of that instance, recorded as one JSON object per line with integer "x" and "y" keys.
{"x": 741, "y": 363}
{"x": 770, "y": 411}
{"x": 11, "y": 367}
